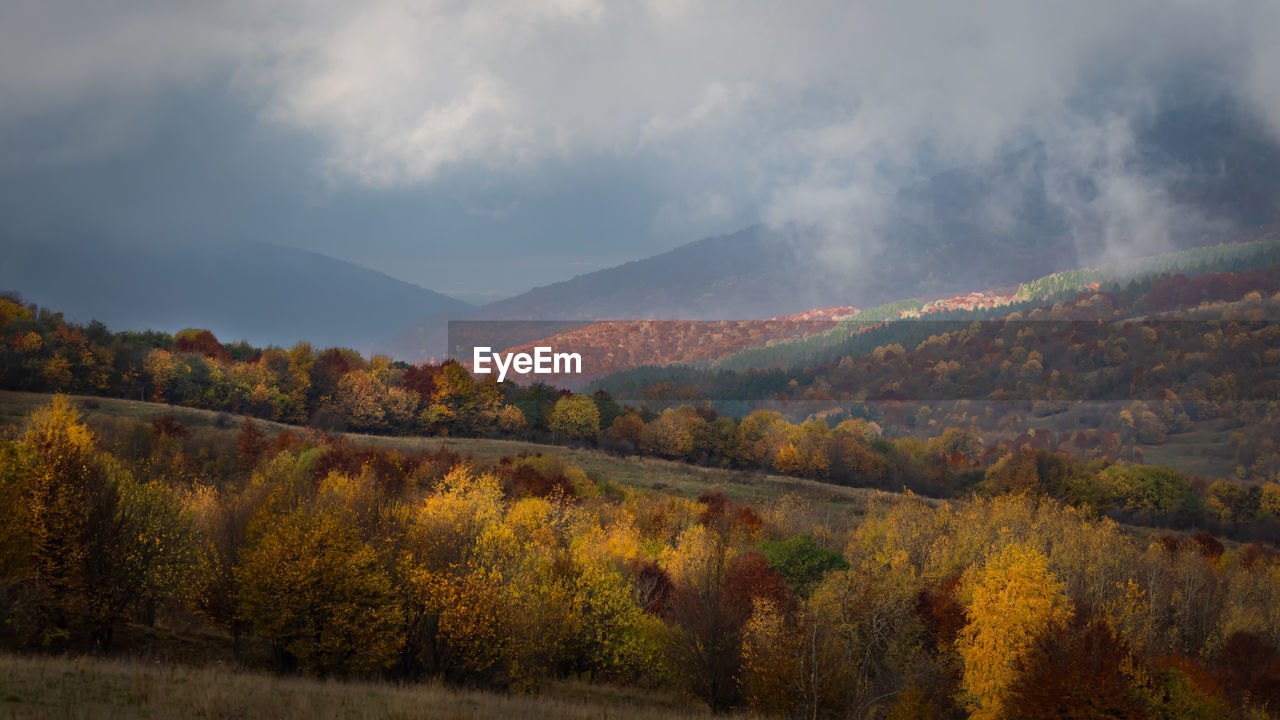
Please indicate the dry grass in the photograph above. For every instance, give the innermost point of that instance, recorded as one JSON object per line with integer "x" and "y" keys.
{"x": 14, "y": 406}
{"x": 644, "y": 472}
{"x": 73, "y": 689}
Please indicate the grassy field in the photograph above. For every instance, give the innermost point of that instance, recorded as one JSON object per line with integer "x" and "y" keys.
{"x": 1205, "y": 451}
{"x": 57, "y": 688}
{"x": 634, "y": 471}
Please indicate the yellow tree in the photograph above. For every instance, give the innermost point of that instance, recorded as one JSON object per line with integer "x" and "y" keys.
{"x": 1015, "y": 602}
{"x": 358, "y": 398}
{"x": 511, "y": 420}
{"x": 707, "y": 643}
{"x": 760, "y": 434}
{"x": 843, "y": 651}
{"x": 224, "y": 517}
{"x": 772, "y": 656}
{"x": 575, "y": 417}
{"x": 458, "y": 598}
{"x": 97, "y": 540}
{"x": 667, "y": 436}
{"x": 321, "y": 595}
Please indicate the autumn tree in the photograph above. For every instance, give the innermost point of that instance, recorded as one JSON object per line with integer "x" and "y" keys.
{"x": 760, "y": 434}
{"x": 709, "y": 642}
{"x": 843, "y": 651}
{"x": 575, "y": 417}
{"x": 461, "y": 406}
{"x": 629, "y": 428}
{"x": 511, "y": 420}
{"x": 1248, "y": 668}
{"x": 1015, "y": 601}
{"x": 321, "y": 595}
{"x": 1078, "y": 673}
{"x": 421, "y": 379}
{"x": 676, "y": 433}
{"x": 202, "y": 342}
{"x": 98, "y": 541}
{"x": 228, "y": 518}
{"x": 250, "y": 443}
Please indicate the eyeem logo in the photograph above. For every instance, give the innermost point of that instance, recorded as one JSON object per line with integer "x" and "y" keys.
{"x": 542, "y": 362}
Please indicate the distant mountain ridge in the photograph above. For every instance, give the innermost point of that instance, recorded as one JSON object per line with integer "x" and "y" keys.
{"x": 266, "y": 294}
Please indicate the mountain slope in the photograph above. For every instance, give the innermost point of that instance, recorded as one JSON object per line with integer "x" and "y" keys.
{"x": 614, "y": 345}
{"x": 743, "y": 275}
{"x": 266, "y": 294}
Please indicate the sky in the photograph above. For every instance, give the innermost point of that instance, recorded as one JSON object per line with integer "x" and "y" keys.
{"x": 482, "y": 148}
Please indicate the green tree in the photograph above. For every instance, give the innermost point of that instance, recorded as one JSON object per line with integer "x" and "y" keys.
{"x": 801, "y": 562}
{"x": 1150, "y": 489}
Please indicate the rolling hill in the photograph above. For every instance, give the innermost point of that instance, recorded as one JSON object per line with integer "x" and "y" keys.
{"x": 266, "y": 294}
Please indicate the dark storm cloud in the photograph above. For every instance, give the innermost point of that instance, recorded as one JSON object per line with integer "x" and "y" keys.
{"x": 414, "y": 136}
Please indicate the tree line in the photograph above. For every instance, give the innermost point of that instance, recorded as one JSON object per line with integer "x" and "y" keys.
{"x": 337, "y": 389}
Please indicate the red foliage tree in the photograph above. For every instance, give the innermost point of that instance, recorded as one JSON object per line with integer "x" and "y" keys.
{"x": 1206, "y": 544}
{"x": 202, "y": 342}
{"x": 250, "y": 442}
{"x": 1248, "y": 665}
{"x": 715, "y": 506}
{"x": 1253, "y": 554}
{"x": 1077, "y": 675}
{"x": 752, "y": 578}
{"x": 651, "y": 586}
{"x": 421, "y": 379}
{"x": 167, "y": 425}
{"x": 941, "y": 611}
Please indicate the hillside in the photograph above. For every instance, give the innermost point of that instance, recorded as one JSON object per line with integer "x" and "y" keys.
{"x": 1084, "y": 377}
{"x": 265, "y": 294}
{"x": 642, "y": 473}
{"x": 1173, "y": 367}
{"x": 614, "y": 345}
{"x": 1257, "y": 249}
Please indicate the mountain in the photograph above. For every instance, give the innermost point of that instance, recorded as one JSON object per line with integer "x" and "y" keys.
{"x": 263, "y": 293}
{"x": 1197, "y": 174}
{"x": 749, "y": 274}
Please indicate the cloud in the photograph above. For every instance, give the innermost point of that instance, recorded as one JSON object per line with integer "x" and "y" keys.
{"x": 811, "y": 112}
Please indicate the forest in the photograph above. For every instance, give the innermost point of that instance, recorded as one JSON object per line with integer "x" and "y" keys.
{"x": 512, "y": 574}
